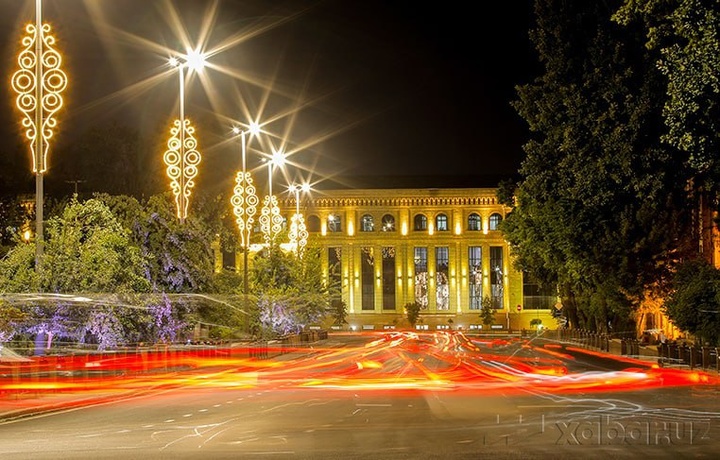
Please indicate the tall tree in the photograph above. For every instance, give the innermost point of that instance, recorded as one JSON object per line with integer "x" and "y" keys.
{"x": 292, "y": 293}
{"x": 601, "y": 203}
{"x": 181, "y": 254}
{"x": 686, "y": 33}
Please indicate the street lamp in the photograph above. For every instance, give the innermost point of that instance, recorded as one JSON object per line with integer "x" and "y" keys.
{"x": 298, "y": 232}
{"x": 270, "y": 219}
{"x": 182, "y": 157}
{"x": 245, "y": 201}
{"x": 39, "y": 83}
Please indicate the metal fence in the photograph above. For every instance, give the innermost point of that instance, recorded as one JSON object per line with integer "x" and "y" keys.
{"x": 587, "y": 339}
{"x": 668, "y": 354}
{"x": 689, "y": 355}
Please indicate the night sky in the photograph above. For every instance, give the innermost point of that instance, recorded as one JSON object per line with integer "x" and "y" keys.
{"x": 365, "y": 87}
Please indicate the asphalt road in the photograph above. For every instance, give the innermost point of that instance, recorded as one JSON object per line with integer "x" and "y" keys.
{"x": 401, "y": 396}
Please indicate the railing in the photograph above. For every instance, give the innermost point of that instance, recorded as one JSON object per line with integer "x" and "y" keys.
{"x": 690, "y": 355}
{"x": 695, "y": 357}
{"x": 584, "y": 338}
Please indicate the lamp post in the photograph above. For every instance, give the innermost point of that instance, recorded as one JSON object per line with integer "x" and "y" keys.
{"x": 245, "y": 201}
{"x": 182, "y": 157}
{"x": 39, "y": 83}
{"x": 270, "y": 219}
{"x": 298, "y": 232}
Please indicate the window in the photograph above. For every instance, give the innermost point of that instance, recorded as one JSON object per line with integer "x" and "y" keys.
{"x": 475, "y": 278}
{"x": 441, "y": 223}
{"x": 421, "y": 281}
{"x": 496, "y": 276}
{"x": 442, "y": 291}
{"x": 334, "y": 272}
{"x": 474, "y": 222}
{"x": 313, "y": 224}
{"x": 334, "y": 223}
{"x": 420, "y": 222}
{"x": 388, "y": 223}
{"x": 388, "y": 278}
{"x": 495, "y": 220}
{"x": 368, "y": 278}
{"x": 367, "y": 223}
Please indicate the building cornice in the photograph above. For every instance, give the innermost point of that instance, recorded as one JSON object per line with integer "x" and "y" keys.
{"x": 399, "y": 198}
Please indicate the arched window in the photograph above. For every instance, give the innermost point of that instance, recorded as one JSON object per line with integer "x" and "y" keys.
{"x": 313, "y": 224}
{"x": 334, "y": 223}
{"x": 420, "y": 222}
{"x": 388, "y": 223}
{"x": 474, "y": 222}
{"x": 495, "y": 220}
{"x": 368, "y": 223}
{"x": 441, "y": 223}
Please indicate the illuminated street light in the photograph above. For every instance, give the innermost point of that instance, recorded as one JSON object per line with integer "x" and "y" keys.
{"x": 39, "y": 83}
{"x": 182, "y": 157}
{"x": 270, "y": 219}
{"x": 245, "y": 201}
{"x": 298, "y": 232}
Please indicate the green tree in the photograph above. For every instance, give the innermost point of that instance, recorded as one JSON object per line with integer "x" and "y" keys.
{"x": 487, "y": 312}
{"x": 694, "y": 303}
{"x": 10, "y": 318}
{"x": 181, "y": 259}
{"x": 338, "y": 312}
{"x": 685, "y": 32}
{"x": 412, "y": 312}
{"x": 290, "y": 290}
{"x": 86, "y": 250}
{"x": 13, "y": 217}
{"x": 601, "y": 208}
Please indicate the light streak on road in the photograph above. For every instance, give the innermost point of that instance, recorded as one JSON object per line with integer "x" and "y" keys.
{"x": 397, "y": 361}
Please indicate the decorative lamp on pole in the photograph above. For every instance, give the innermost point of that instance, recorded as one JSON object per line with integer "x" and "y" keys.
{"x": 39, "y": 83}
{"x": 298, "y": 232}
{"x": 245, "y": 201}
{"x": 182, "y": 157}
{"x": 270, "y": 219}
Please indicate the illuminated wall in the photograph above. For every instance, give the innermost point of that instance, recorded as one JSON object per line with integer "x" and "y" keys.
{"x": 381, "y": 234}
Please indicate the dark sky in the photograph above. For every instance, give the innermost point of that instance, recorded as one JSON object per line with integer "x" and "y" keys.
{"x": 365, "y": 87}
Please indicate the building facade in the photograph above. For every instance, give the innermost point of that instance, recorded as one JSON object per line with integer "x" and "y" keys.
{"x": 440, "y": 248}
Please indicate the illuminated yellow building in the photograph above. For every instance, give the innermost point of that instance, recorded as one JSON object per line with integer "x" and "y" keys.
{"x": 438, "y": 247}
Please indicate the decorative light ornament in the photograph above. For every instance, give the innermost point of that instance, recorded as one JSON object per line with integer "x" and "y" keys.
{"x": 39, "y": 83}
{"x": 182, "y": 159}
{"x": 270, "y": 219}
{"x": 298, "y": 233}
{"x": 244, "y": 202}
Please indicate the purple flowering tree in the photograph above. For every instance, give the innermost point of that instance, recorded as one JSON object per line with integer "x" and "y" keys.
{"x": 276, "y": 315}
{"x": 103, "y": 323}
{"x": 167, "y": 326}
